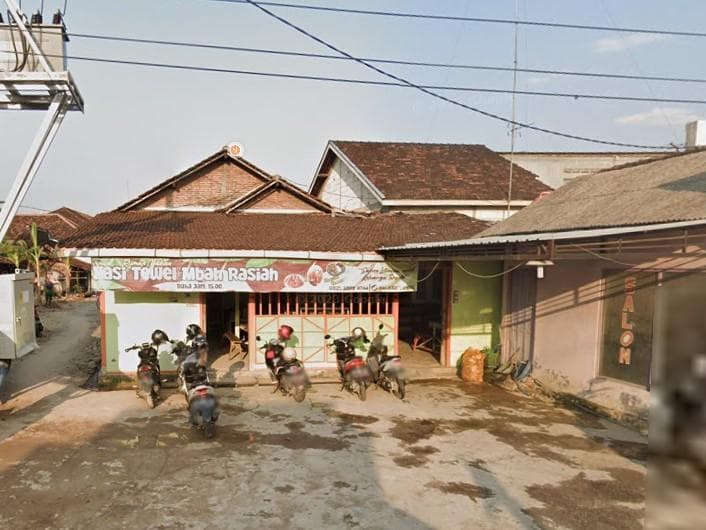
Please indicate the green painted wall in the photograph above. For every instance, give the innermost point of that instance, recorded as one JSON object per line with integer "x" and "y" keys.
{"x": 475, "y": 307}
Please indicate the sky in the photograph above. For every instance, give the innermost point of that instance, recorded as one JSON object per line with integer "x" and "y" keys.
{"x": 143, "y": 125}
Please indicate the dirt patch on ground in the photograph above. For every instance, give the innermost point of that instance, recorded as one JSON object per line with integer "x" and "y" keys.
{"x": 284, "y": 489}
{"x": 581, "y": 503}
{"x": 466, "y": 489}
{"x": 409, "y": 461}
{"x": 423, "y": 450}
{"x": 411, "y": 431}
{"x": 631, "y": 450}
{"x": 351, "y": 419}
{"x": 479, "y": 464}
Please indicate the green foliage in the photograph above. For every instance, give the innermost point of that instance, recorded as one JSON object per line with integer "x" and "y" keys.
{"x": 36, "y": 251}
{"x": 15, "y": 251}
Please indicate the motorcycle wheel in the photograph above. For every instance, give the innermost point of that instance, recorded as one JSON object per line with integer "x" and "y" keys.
{"x": 209, "y": 429}
{"x": 299, "y": 394}
{"x": 362, "y": 391}
{"x": 400, "y": 392}
{"x": 151, "y": 402}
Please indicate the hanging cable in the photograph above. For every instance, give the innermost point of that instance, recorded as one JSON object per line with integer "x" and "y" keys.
{"x": 440, "y": 96}
{"x": 488, "y": 276}
{"x": 305, "y": 77}
{"x": 430, "y": 273}
{"x": 401, "y": 62}
{"x": 601, "y": 256}
{"x": 537, "y": 23}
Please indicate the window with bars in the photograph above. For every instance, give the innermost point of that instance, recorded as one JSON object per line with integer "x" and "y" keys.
{"x": 351, "y": 304}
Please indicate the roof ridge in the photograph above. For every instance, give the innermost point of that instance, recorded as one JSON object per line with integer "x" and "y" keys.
{"x": 221, "y": 153}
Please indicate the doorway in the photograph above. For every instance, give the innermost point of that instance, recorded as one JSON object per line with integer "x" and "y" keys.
{"x": 423, "y": 317}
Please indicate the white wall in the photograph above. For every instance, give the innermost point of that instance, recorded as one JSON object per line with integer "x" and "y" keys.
{"x": 344, "y": 190}
{"x": 556, "y": 169}
{"x": 131, "y": 317}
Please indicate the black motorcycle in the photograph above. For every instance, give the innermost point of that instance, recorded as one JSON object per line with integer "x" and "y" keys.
{"x": 352, "y": 368}
{"x": 196, "y": 386}
{"x": 148, "y": 373}
{"x": 285, "y": 369}
{"x": 387, "y": 370}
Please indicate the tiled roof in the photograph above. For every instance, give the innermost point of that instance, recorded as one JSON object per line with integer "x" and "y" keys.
{"x": 668, "y": 189}
{"x": 73, "y": 216}
{"x": 277, "y": 183}
{"x": 439, "y": 171}
{"x": 55, "y": 225}
{"x": 318, "y": 232}
{"x": 221, "y": 154}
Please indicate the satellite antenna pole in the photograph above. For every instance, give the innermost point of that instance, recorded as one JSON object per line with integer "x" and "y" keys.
{"x": 513, "y": 125}
{"x": 34, "y": 89}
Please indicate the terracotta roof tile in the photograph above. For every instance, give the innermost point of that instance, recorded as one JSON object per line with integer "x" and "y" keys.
{"x": 440, "y": 171}
{"x": 294, "y": 232}
{"x": 56, "y": 225}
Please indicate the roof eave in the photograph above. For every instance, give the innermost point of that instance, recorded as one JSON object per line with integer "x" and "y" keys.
{"x": 545, "y": 236}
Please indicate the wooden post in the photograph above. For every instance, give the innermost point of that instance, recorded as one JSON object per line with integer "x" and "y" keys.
{"x": 447, "y": 304}
{"x": 396, "y": 320}
{"x": 104, "y": 345}
{"x": 252, "y": 332}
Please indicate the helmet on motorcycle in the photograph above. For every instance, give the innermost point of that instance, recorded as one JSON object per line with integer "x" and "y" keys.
{"x": 159, "y": 337}
{"x": 285, "y": 331}
{"x": 199, "y": 342}
{"x": 192, "y": 330}
{"x": 289, "y": 354}
{"x": 358, "y": 333}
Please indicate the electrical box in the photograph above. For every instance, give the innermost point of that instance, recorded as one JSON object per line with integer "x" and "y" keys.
{"x": 17, "y": 56}
{"x": 17, "y": 332}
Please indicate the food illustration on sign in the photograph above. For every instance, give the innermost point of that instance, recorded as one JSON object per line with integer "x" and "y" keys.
{"x": 294, "y": 280}
{"x": 335, "y": 268}
{"x": 315, "y": 274}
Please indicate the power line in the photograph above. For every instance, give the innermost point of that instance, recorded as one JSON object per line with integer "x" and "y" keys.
{"x": 400, "y": 84}
{"x": 442, "y": 97}
{"x": 536, "y": 23}
{"x": 401, "y": 62}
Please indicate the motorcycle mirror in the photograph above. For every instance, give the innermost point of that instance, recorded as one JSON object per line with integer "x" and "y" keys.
{"x": 327, "y": 336}
{"x": 257, "y": 338}
{"x": 380, "y": 326}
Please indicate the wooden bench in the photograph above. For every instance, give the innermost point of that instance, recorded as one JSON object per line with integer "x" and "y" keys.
{"x": 235, "y": 345}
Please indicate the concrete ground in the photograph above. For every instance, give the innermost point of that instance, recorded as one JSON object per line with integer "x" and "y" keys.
{"x": 451, "y": 455}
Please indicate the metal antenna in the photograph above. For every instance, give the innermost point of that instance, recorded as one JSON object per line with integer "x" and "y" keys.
{"x": 513, "y": 126}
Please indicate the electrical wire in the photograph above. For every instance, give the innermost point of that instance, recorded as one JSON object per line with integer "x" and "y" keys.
{"x": 401, "y": 62}
{"x": 346, "y": 80}
{"x": 536, "y": 23}
{"x": 601, "y": 256}
{"x": 442, "y": 97}
{"x": 489, "y": 276}
{"x": 430, "y": 273}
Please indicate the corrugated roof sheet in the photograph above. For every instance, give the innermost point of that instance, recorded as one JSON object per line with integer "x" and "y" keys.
{"x": 666, "y": 190}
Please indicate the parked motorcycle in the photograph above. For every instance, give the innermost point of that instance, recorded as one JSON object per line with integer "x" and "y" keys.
{"x": 352, "y": 368}
{"x": 387, "y": 370}
{"x": 285, "y": 368}
{"x": 38, "y": 326}
{"x": 148, "y": 373}
{"x": 197, "y": 388}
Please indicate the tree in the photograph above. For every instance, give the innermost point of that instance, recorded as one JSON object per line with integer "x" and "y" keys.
{"x": 15, "y": 251}
{"x": 36, "y": 251}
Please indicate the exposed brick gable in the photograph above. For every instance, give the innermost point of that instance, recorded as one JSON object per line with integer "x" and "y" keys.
{"x": 212, "y": 186}
{"x": 280, "y": 199}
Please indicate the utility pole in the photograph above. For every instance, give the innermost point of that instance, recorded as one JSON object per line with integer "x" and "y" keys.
{"x": 513, "y": 125}
{"x": 33, "y": 84}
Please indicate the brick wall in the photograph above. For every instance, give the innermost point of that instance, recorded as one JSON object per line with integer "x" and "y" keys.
{"x": 280, "y": 199}
{"x": 215, "y": 185}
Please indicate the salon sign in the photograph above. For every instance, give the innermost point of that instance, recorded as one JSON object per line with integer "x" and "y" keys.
{"x": 251, "y": 275}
